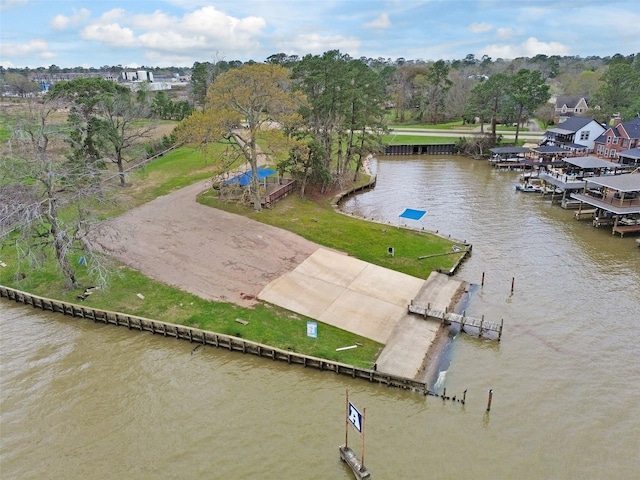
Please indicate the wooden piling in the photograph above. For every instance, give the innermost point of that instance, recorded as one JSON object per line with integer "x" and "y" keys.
{"x": 482, "y": 283}
{"x": 512, "y": 283}
{"x": 490, "y": 398}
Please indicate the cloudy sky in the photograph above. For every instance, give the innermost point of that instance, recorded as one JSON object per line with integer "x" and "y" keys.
{"x": 94, "y": 33}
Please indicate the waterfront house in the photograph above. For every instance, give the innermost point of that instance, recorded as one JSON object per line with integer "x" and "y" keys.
{"x": 619, "y": 137}
{"x": 576, "y": 134}
{"x": 569, "y": 106}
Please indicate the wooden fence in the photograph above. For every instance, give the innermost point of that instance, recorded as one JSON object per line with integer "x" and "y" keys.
{"x": 278, "y": 194}
{"x": 203, "y": 337}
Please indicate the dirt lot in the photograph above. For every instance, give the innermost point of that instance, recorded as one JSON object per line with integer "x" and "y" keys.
{"x": 210, "y": 253}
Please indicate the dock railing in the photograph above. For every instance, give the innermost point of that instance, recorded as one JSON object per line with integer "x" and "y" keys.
{"x": 447, "y": 318}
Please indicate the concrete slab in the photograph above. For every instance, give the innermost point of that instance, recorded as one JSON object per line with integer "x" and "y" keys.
{"x": 439, "y": 290}
{"x": 388, "y": 285}
{"x": 362, "y": 314}
{"x": 406, "y": 351}
{"x": 370, "y": 301}
{"x": 333, "y": 267}
{"x": 345, "y": 292}
{"x": 302, "y": 294}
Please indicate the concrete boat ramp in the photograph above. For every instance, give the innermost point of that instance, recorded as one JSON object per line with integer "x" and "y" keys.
{"x": 370, "y": 301}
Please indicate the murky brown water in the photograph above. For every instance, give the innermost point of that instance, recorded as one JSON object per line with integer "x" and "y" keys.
{"x": 83, "y": 400}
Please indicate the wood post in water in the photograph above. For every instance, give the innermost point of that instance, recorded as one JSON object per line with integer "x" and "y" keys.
{"x": 482, "y": 283}
{"x": 490, "y": 398}
{"x": 513, "y": 279}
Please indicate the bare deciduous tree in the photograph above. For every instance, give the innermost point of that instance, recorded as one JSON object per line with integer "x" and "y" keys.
{"x": 51, "y": 213}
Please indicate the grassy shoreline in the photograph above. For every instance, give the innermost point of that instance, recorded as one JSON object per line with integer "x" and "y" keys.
{"x": 268, "y": 324}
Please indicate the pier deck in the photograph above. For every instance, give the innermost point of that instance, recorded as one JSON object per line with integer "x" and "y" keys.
{"x": 622, "y": 229}
{"x": 464, "y": 321}
{"x": 585, "y": 214}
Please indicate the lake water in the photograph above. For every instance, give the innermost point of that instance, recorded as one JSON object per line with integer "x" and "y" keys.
{"x": 84, "y": 400}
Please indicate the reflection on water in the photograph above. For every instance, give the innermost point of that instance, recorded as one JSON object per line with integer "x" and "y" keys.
{"x": 84, "y": 400}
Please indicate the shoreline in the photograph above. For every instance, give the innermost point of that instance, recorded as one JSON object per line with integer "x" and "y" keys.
{"x": 437, "y": 353}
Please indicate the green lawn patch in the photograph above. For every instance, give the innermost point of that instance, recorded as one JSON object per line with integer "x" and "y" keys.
{"x": 267, "y": 324}
{"x": 416, "y": 140}
{"x": 367, "y": 241}
{"x": 432, "y": 126}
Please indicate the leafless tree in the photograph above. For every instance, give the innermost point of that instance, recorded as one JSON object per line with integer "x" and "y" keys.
{"x": 50, "y": 199}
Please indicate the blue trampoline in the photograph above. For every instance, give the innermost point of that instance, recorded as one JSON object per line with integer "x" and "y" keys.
{"x": 412, "y": 214}
{"x": 244, "y": 179}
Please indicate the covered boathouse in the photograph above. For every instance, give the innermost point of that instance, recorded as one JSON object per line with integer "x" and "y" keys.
{"x": 616, "y": 199}
{"x": 573, "y": 174}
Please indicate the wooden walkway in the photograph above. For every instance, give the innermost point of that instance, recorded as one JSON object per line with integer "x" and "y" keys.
{"x": 448, "y": 318}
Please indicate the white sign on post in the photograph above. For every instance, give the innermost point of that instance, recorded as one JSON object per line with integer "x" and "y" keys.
{"x": 355, "y": 417}
{"x": 312, "y": 329}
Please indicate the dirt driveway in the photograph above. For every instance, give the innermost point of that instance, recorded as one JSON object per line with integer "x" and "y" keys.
{"x": 210, "y": 253}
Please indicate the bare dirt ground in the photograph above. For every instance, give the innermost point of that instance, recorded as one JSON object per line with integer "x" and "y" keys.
{"x": 210, "y": 253}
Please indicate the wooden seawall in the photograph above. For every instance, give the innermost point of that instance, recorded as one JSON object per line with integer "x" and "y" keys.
{"x": 203, "y": 337}
{"x": 435, "y": 149}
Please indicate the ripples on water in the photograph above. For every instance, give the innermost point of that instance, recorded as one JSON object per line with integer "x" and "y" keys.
{"x": 84, "y": 400}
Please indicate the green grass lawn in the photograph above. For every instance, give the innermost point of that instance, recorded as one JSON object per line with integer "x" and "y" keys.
{"x": 416, "y": 140}
{"x": 364, "y": 240}
{"x": 432, "y": 126}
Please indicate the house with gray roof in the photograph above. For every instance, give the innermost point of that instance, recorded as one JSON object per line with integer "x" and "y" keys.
{"x": 576, "y": 134}
{"x": 619, "y": 137}
{"x": 569, "y": 106}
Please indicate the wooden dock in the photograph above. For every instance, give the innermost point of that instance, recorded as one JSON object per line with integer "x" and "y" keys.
{"x": 622, "y": 229}
{"x": 479, "y": 324}
{"x": 585, "y": 214}
{"x": 603, "y": 221}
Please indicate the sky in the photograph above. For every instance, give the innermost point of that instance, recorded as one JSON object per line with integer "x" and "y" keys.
{"x": 161, "y": 33}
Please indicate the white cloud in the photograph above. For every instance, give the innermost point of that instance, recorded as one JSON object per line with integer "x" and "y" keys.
{"x": 381, "y": 22}
{"x": 169, "y": 36}
{"x": 61, "y": 22}
{"x": 508, "y": 32}
{"x": 529, "y": 48}
{"x": 157, "y": 20}
{"x": 317, "y": 44}
{"x": 111, "y": 34}
{"x": 35, "y": 47}
{"x": 113, "y": 15}
{"x": 479, "y": 27}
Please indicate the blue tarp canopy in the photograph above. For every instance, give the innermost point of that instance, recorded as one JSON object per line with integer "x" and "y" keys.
{"x": 412, "y": 214}
{"x": 244, "y": 179}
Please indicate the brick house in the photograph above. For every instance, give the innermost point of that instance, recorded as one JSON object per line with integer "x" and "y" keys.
{"x": 621, "y": 136}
